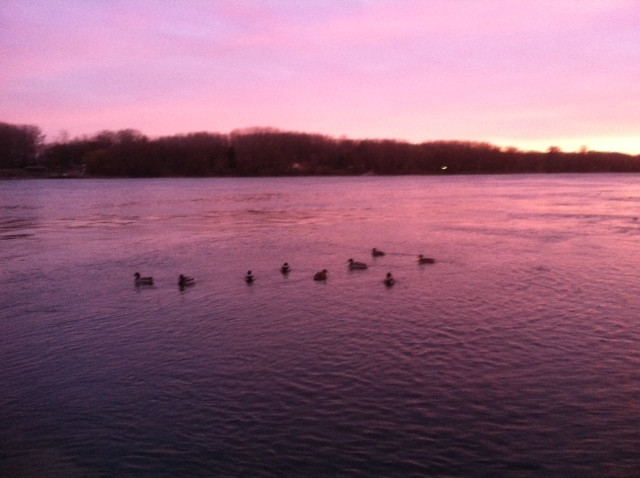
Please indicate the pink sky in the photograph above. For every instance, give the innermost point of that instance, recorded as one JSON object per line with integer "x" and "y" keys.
{"x": 522, "y": 73}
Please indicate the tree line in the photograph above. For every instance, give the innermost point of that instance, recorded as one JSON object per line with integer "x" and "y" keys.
{"x": 270, "y": 152}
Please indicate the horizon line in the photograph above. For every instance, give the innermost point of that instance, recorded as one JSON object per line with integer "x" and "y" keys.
{"x": 275, "y": 130}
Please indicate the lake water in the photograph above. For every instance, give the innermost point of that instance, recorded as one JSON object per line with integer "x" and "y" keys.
{"x": 516, "y": 354}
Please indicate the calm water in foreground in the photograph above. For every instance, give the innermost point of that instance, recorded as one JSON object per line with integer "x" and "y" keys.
{"x": 516, "y": 354}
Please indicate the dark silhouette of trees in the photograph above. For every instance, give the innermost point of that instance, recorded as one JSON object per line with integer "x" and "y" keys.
{"x": 19, "y": 145}
{"x": 270, "y": 152}
{"x": 128, "y": 153}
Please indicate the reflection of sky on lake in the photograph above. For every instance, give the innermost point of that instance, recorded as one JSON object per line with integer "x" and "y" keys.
{"x": 517, "y": 350}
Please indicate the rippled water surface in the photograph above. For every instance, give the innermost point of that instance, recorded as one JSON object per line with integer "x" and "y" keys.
{"x": 516, "y": 354}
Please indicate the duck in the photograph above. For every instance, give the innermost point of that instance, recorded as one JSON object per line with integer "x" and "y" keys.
{"x": 285, "y": 269}
{"x": 322, "y": 275}
{"x": 248, "y": 278}
{"x": 184, "y": 281}
{"x": 425, "y": 260}
{"x": 376, "y": 253}
{"x": 139, "y": 280}
{"x": 354, "y": 265}
{"x": 389, "y": 280}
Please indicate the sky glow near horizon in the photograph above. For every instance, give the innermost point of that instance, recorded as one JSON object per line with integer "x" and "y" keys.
{"x": 513, "y": 73}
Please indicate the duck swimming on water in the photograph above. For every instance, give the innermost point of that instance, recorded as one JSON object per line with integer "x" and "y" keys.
{"x": 354, "y": 265}
{"x": 248, "y": 278}
{"x": 139, "y": 280}
{"x": 376, "y": 253}
{"x": 321, "y": 276}
{"x": 389, "y": 280}
{"x": 425, "y": 260}
{"x": 184, "y": 281}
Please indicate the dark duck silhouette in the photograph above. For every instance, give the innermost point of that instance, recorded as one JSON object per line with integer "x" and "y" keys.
{"x": 139, "y": 280}
{"x": 389, "y": 280}
{"x": 248, "y": 278}
{"x": 184, "y": 281}
{"x": 354, "y": 265}
{"x": 425, "y": 260}
{"x": 320, "y": 276}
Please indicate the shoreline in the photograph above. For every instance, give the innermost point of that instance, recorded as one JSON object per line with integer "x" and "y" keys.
{"x": 17, "y": 175}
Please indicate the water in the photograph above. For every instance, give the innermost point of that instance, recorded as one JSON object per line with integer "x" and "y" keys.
{"x": 516, "y": 354}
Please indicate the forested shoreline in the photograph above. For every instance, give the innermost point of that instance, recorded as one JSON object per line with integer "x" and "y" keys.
{"x": 270, "y": 152}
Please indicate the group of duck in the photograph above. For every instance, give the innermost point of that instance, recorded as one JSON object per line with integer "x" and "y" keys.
{"x": 389, "y": 281}
{"x": 183, "y": 281}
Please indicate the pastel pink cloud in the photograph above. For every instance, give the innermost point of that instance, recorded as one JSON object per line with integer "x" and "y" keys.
{"x": 516, "y": 73}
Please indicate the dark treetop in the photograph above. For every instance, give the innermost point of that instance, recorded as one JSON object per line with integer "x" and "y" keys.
{"x": 269, "y": 152}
